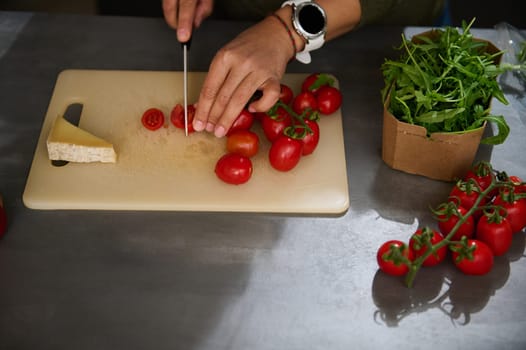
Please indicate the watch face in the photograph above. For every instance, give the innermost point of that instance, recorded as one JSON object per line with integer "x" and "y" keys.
{"x": 311, "y": 18}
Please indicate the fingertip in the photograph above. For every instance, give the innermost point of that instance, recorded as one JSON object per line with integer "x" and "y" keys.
{"x": 219, "y": 131}
{"x": 183, "y": 35}
{"x": 198, "y": 125}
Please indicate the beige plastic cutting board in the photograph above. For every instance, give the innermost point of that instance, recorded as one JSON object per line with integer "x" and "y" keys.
{"x": 164, "y": 170}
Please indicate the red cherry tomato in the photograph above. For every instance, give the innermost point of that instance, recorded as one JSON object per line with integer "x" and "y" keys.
{"x": 390, "y": 267}
{"x": 515, "y": 208}
{"x": 308, "y": 83}
{"x": 314, "y": 81}
{"x": 417, "y": 243}
{"x": 286, "y": 94}
{"x": 447, "y": 221}
{"x": 153, "y": 119}
{"x": 519, "y": 185}
{"x": 311, "y": 139}
{"x": 234, "y": 168}
{"x": 482, "y": 174}
{"x": 479, "y": 263}
{"x": 177, "y": 116}
{"x": 497, "y": 234}
{"x": 274, "y": 125}
{"x": 244, "y": 142}
{"x": 304, "y": 102}
{"x": 329, "y": 99}
{"x": 465, "y": 194}
{"x": 244, "y": 121}
{"x": 285, "y": 153}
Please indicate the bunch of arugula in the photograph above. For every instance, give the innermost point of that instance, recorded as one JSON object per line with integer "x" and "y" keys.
{"x": 445, "y": 83}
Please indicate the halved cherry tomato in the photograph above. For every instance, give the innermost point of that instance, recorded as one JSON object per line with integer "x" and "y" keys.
{"x": 305, "y": 103}
{"x": 418, "y": 244}
{"x": 244, "y": 142}
{"x": 285, "y": 153}
{"x": 286, "y": 94}
{"x": 153, "y": 119}
{"x": 234, "y": 168}
{"x": 244, "y": 121}
{"x": 478, "y": 261}
{"x": 177, "y": 116}
{"x": 394, "y": 267}
{"x": 273, "y": 125}
{"x": 329, "y": 99}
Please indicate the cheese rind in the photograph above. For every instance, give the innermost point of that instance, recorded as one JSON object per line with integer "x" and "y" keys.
{"x": 70, "y": 143}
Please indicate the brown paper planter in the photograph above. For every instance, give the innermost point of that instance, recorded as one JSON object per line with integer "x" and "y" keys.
{"x": 442, "y": 156}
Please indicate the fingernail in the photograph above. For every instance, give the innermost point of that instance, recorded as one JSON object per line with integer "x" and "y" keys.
{"x": 182, "y": 35}
{"x": 198, "y": 125}
{"x": 210, "y": 127}
{"x": 219, "y": 131}
{"x": 251, "y": 109}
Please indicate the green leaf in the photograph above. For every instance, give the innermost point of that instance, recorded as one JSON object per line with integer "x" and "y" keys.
{"x": 321, "y": 80}
{"x": 439, "y": 116}
{"x": 503, "y": 130}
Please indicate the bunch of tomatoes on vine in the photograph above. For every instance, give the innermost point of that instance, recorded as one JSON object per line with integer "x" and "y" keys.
{"x": 291, "y": 126}
{"x": 477, "y": 222}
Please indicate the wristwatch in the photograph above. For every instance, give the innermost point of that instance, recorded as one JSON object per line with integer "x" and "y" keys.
{"x": 310, "y": 22}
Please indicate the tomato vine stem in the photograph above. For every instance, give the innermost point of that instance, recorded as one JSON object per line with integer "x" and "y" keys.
{"x": 416, "y": 264}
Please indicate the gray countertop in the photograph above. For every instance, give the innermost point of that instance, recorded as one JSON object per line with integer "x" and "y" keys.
{"x": 194, "y": 280}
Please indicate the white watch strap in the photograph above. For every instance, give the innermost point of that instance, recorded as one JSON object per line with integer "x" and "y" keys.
{"x": 304, "y": 57}
{"x": 311, "y": 44}
{"x": 293, "y": 2}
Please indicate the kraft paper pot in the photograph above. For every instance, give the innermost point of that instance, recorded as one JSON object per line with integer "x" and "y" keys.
{"x": 441, "y": 156}
{"x": 445, "y": 156}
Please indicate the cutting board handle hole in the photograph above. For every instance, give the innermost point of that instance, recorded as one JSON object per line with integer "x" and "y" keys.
{"x": 72, "y": 115}
{"x": 73, "y": 112}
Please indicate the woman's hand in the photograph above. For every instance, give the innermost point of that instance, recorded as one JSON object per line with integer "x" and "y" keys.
{"x": 184, "y": 15}
{"x": 255, "y": 60}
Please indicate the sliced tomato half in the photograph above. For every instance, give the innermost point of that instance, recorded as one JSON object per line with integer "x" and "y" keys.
{"x": 153, "y": 119}
{"x": 177, "y": 116}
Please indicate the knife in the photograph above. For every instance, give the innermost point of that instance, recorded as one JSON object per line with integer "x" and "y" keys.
{"x": 186, "y": 46}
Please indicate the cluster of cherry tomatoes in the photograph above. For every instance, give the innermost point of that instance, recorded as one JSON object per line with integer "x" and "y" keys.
{"x": 291, "y": 126}
{"x": 483, "y": 212}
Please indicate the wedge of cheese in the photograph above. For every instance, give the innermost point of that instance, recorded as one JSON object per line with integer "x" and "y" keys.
{"x": 70, "y": 143}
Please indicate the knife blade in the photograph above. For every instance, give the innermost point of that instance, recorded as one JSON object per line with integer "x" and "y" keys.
{"x": 186, "y": 46}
